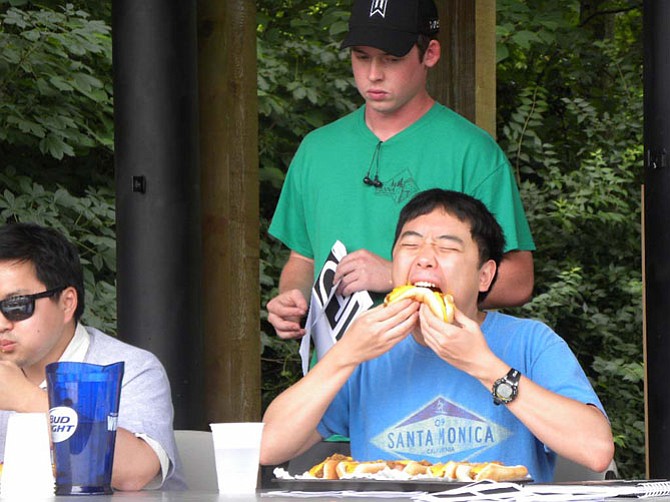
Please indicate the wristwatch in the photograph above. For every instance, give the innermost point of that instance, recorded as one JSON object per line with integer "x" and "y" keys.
{"x": 505, "y": 389}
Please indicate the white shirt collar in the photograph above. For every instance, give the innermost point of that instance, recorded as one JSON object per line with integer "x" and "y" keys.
{"x": 78, "y": 346}
{"x": 76, "y": 349}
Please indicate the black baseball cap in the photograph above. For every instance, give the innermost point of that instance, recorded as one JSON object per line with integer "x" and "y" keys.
{"x": 392, "y": 26}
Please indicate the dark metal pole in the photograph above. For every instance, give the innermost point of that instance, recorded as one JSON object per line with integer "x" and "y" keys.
{"x": 157, "y": 191}
{"x": 657, "y": 232}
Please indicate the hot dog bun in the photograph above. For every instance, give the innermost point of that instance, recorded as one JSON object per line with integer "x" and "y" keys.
{"x": 414, "y": 468}
{"x": 499, "y": 472}
{"x": 443, "y": 470}
{"x": 442, "y": 305}
{"x": 463, "y": 471}
{"x": 328, "y": 468}
{"x": 349, "y": 469}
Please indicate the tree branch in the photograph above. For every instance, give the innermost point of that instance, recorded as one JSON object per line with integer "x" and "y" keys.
{"x": 607, "y": 12}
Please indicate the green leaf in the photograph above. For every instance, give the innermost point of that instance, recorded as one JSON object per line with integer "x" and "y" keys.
{"x": 55, "y": 146}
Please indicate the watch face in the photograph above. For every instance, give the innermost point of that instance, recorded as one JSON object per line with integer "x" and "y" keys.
{"x": 504, "y": 390}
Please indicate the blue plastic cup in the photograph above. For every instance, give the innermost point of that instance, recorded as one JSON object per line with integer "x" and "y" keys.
{"x": 83, "y": 410}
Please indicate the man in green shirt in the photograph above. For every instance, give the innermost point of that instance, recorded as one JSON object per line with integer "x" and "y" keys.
{"x": 349, "y": 179}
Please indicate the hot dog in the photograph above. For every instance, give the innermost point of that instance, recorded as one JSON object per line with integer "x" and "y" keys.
{"x": 353, "y": 469}
{"x": 442, "y": 305}
{"x": 467, "y": 471}
{"x": 328, "y": 468}
{"x": 414, "y": 468}
{"x": 444, "y": 470}
{"x": 499, "y": 472}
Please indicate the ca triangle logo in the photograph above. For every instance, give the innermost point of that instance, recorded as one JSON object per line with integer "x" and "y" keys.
{"x": 439, "y": 430}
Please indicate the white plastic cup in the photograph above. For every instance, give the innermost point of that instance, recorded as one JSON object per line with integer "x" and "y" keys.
{"x": 237, "y": 450}
{"x": 27, "y": 471}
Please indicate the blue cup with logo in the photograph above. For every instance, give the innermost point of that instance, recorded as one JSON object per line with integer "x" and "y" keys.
{"x": 83, "y": 411}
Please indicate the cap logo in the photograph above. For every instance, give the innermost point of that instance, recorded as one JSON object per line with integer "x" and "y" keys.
{"x": 378, "y": 7}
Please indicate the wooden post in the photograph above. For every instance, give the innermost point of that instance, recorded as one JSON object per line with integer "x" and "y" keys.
{"x": 465, "y": 77}
{"x": 230, "y": 214}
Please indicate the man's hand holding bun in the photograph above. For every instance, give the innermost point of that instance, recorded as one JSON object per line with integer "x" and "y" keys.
{"x": 442, "y": 305}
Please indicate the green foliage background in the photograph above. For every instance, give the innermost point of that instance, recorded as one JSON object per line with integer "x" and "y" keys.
{"x": 56, "y": 136}
{"x": 569, "y": 118}
{"x": 571, "y": 122}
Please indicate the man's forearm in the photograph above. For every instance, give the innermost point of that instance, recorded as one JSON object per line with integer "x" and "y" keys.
{"x": 135, "y": 462}
{"x": 514, "y": 285}
{"x": 572, "y": 429}
{"x": 298, "y": 273}
{"x": 292, "y": 418}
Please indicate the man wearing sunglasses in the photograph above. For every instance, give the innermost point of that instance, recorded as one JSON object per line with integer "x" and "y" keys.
{"x": 41, "y": 304}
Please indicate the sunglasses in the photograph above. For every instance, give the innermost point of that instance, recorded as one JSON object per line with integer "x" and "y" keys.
{"x": 20, "y": 308}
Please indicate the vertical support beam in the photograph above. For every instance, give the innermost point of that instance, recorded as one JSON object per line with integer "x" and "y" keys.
{"x": 485, "y": 65}
{"x": 465, "y": 77}
{"x": 656, "y": 235}
{"x": 158, "y": 191}
{"x": 230, "y": 212}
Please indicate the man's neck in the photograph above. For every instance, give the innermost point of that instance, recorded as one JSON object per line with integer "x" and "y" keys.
{"x": 385, "y": 125}
{"x": 36, "y": 372}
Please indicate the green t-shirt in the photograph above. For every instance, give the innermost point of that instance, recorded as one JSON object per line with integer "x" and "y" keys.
{"x": 324, "y": 198}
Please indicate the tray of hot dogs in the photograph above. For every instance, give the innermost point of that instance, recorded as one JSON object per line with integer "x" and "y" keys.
{"x": 339, "y": 472}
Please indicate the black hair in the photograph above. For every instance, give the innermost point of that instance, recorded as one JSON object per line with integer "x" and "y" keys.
{"x": 55, "y": 259}
{"x": 484, "y": 228}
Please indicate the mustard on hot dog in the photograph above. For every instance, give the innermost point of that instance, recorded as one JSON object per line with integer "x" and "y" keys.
{"x": 442, "y": 305}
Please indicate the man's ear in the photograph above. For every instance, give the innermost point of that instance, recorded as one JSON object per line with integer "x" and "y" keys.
{"x": 486, "y": 274}
{"x": 69, "y": 301}
{"x": 432, "y": 55}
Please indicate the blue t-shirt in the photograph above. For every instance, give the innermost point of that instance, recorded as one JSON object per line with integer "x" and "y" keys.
{"x": 409, "y": 403}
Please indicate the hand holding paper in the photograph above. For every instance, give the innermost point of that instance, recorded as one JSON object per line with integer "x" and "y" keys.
{"x": 330, "y": 313}
{"x": 285, "y": 312}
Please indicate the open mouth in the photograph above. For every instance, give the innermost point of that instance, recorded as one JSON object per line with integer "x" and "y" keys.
{"x": 430, "y": 285}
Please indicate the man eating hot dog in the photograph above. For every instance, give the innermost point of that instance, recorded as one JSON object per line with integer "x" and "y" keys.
{"x": 403, "y": 383}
